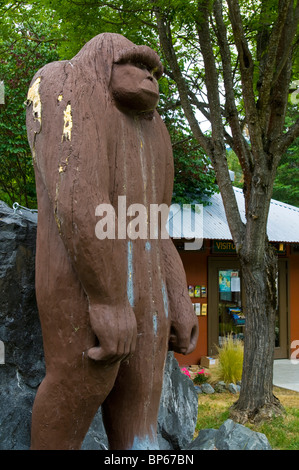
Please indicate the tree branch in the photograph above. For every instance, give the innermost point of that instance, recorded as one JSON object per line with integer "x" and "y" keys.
{"x": 166, "y": 42}
{"x": 283, "y": 142}
{"x": 291, "y": 30}
{"x": 280, "y": 89}
{"x": 240, "y": 145}
{"x": 268, "y": 71}
{"x": 218, "y": 155}
{"x": 246, "y": 70}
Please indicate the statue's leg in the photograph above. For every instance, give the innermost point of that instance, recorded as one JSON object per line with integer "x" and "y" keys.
{"x": 130, "y": 412}
{"x": 74, "y": 386}
{"x": 65, "y": 405}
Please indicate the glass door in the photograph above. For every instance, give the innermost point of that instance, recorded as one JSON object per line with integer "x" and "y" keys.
{"x": 231, "y": 318}
{"x": 226, "y": 304}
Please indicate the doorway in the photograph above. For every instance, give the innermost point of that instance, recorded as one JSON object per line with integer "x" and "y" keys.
{"x": 226, "y": 304}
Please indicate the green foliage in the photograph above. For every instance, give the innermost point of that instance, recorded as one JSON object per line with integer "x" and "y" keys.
{"x": 234, "y": 165}
{"x": 286, "y": 184}
{"x": 81, "y": 21}
{"x": 230, "y": 360}
{"x": 70, "y": 24}
{"x": 33, "y": 35}
{"x": 194, "y": 179}
{"x": 201, "y": 377}
{"x": 20, "y": 59}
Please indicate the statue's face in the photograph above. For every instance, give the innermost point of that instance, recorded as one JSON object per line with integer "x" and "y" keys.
{"x": 134, "y": 87}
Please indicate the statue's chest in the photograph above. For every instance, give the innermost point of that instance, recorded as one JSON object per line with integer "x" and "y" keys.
{"x": 137, "y": 167}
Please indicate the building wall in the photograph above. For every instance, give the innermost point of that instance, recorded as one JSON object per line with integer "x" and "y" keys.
{"x": 294, "y": 297}
{"x": 196, "y": 267}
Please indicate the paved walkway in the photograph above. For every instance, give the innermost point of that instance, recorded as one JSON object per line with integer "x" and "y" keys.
{"x": 286, "y": 374}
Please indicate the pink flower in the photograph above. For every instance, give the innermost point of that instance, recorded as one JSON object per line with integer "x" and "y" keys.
{"x": 185, "y": 371}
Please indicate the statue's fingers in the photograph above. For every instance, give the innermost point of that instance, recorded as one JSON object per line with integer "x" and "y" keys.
{"x": 179, "y": 342}
{"x": 193, "y": 339}
{"x": 101, "y": 354}
{"x": 96, "y": 353}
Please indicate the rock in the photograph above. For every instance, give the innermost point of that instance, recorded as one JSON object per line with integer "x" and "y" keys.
{"x": 230, "y": 436}
{"x": 220, "y": 387}
{"x": 178, "y": 406}
{"x": 234, "y": 436}
{"x": 233, "y": 388}
{"x": 177, "y": 414}
{"x": 96, "y": 438}
{"x": 204, "y": 441}
{"x": 24, "y": 367}
{"x": 198, "y": 389}
{"x": 207, "y": 388}
{"x": 20, "y": 330}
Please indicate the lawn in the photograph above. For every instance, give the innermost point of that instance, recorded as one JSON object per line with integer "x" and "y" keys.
{"x": 282, "y": 432}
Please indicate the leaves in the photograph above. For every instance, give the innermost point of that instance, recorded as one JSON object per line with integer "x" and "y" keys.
{"x": 66, "y": 25}
{"x": 21, "y": 57}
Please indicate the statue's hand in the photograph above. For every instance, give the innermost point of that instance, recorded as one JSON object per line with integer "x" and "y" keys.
{"x": 183, "y": 334}
{"x": 116, "y": 329}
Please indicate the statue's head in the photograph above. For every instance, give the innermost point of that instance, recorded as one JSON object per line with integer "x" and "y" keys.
{"x": 128, "y": 73}
{"x": 134, "y": 80}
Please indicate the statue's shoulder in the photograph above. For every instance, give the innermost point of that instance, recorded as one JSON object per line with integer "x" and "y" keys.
{"x": 51, "y": 71}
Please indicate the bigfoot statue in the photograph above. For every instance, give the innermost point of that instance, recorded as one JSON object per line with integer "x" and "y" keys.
{"x": 110, "y": 308}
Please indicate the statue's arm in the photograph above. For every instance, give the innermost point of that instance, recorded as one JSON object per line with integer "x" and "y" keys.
{"x": 184, "y": 323}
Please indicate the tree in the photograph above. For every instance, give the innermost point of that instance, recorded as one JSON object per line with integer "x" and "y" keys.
{"x": 233, "y": 62}
{"x": 257, "y": 49}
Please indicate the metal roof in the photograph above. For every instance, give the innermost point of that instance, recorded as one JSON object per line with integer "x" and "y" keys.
{"x": 211, "y": 222}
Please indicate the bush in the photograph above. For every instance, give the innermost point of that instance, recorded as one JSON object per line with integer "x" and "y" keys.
{"x": 230, "y": 360}
{"x": 201, "y": 377}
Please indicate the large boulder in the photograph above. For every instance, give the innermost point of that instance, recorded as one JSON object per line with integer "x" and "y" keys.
{"x": 230, "y": 436}
{"x": 23, "y": 368}
{"x": 178, "y": 407}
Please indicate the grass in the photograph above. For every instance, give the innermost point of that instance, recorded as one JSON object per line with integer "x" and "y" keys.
{"x": 230, "y": 360}
{"x": 281, "y": 432}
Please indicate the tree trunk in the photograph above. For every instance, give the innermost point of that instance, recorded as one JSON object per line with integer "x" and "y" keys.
{"x": 256, "y": 401}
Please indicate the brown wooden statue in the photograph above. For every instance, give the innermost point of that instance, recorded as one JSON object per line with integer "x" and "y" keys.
{"x": 110, "y": 308}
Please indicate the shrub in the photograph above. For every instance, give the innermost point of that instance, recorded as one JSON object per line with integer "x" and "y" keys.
{"x": 230, "y": 360}
{"x": 201, "y": 377}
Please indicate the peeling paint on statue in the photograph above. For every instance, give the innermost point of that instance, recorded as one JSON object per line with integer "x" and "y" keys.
{"x": 34, "y": 98}
{"x": 109, "y": 308}
{"x": 130, "y": 284}
{"x": 68, "y": 123}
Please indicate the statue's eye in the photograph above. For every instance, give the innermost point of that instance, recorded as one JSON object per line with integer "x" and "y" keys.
{"x": 150, "y": 69}
{"x": 141, "y": 66}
